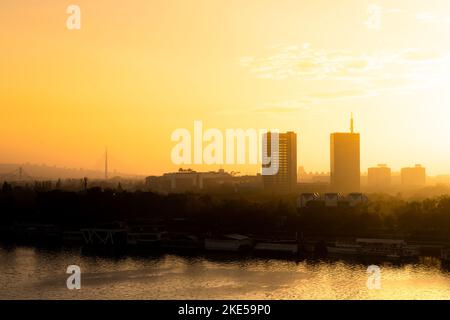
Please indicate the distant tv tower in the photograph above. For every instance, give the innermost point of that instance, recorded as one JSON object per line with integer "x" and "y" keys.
{"x": 351, "y": 123}
{"x": 106, "y": 163}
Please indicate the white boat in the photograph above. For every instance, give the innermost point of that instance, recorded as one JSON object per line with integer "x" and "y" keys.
{"x": 389, "y": 248}
{"x": 381, "y": 247}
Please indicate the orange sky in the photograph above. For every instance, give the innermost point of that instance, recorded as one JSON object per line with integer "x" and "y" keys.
{"x": 137, "y": 70}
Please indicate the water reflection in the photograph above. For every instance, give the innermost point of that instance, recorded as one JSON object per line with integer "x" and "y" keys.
{"x": 31, "y": 273}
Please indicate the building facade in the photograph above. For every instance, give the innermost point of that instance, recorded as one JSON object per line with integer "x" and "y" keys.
{"x": 379, "y": 177}
{"x": 414, "y": 176}
{"x": 345, "y": 173}
{"x": 285, "y": 180}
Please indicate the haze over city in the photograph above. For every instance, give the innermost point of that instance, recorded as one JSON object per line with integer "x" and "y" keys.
{"x": 136, "y": 72}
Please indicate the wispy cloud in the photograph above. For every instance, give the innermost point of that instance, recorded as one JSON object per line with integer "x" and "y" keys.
{"x": 375, "y": 14}
{"x": 358, "y": 74}
{"x": 278, "y": 109}
{"x": 309, "y": 64}
{"x": 432, "y": 18}
{"x": 288, "y": 106}
{"x": 392, "y": 10}
{"x": 339, "y": 94}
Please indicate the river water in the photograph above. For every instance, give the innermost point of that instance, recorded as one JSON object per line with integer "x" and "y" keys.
{"x": 32, "y": 273}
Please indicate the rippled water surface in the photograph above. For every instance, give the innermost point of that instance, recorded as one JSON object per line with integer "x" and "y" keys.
{"x": 31, "y": 273}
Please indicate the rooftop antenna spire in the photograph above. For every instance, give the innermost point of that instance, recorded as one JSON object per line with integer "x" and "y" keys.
{"x": 106, "y": 163}
{"x": 351, "y": 123}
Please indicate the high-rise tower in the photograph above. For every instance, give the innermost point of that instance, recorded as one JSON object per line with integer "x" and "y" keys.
{"x": 345, "y": 161}
{"x": 285, "y": 180}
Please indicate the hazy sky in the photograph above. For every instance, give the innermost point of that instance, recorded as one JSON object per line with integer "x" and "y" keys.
{"x": 139, "y": 69}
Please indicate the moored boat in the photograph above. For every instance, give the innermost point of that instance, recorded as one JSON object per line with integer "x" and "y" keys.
{"x": 344, "y": 247}
{"x": 273, "y": 247}
{"x": 228, "y": 242}
{"x": 388, "y": 248}
{"x": 181, "y": 241}
{"x": 146, "y": 236}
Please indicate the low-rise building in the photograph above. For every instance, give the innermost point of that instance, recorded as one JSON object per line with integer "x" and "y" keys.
{"x": 413, "y": 176}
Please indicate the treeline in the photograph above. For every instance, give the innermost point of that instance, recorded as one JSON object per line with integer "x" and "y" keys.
{"x": 255, "y": 213}
{"x": 382, "y": 215}
{"x": 96, "y": 207}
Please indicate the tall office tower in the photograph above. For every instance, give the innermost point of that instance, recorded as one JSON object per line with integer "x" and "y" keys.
{"x": 379, "y": 177}
{"x": 285, "y": 180}
{"x": 345, "y": 161}
{"x": 413, "y": 177}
